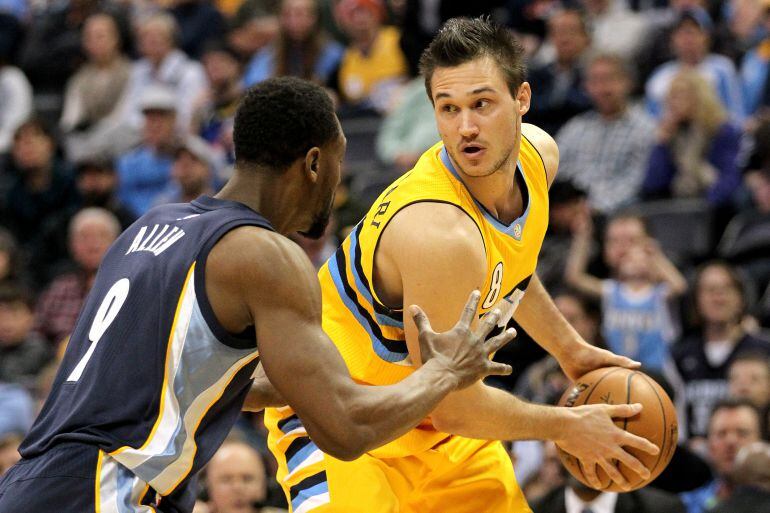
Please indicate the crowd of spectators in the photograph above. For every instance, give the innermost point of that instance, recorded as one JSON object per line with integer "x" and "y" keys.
{"x": 659, "y": 239}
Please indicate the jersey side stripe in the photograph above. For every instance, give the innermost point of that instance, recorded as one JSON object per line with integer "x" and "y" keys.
{"x": 198, "y": 371}
{"x": 169, "y": 346}
{"x": 385, "y": 349}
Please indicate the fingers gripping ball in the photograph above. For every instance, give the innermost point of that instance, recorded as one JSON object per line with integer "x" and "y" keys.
{"x": 657, "y": 421}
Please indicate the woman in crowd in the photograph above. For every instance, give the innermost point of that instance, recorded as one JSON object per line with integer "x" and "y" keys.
{"x": 697, "y": 147}
{"x": 301, "y": 48}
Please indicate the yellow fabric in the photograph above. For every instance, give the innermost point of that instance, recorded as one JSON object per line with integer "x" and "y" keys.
{"x": 370, "y": 336}
{"x": 360, "y": 73}
{"x": 459, "y": 476}
{"x": 764, "y": 49}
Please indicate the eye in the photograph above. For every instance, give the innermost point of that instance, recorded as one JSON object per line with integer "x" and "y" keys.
{"x": 480, "y": 104}
{"x": 448, "y": 108}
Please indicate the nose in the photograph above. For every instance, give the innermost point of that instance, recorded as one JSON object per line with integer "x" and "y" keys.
{"x": 468, "y": 127}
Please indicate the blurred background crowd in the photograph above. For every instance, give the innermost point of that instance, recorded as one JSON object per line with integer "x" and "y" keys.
{"x": 659, "y": 239}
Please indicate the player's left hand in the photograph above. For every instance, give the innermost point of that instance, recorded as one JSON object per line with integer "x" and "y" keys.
{"x": 584, "y": 358}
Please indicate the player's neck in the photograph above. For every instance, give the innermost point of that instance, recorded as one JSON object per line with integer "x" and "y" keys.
{"x": 270, "y": 195}
{"x": 499, "y": 192}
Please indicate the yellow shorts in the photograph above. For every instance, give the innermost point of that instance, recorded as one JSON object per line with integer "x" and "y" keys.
{"x": 459, "y": 475}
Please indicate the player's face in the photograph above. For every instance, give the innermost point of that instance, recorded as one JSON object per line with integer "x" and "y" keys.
{"x": 729, "y": 431}
{"x": 478, "y": 119}
{"x": 329, "y": 172}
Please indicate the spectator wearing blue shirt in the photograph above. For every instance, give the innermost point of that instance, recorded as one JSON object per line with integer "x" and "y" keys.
{"x": 690, "y": 42}
{"x": 301, "y": 48}
{"x": 755, "y": 71}
{"x": 144, "y": 173}
{"x": 636, "y": 320}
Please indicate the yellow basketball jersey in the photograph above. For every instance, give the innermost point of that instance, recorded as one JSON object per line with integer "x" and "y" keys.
{"x": 369, "y": 335}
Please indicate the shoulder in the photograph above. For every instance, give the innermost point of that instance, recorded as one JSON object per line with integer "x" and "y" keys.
{"x": 545, "y": 146}
{"x": 431, "y": 229}
{"x": 257, "y": 252}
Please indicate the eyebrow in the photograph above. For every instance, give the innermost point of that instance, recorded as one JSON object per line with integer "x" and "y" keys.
{"x": 485, "y": 89}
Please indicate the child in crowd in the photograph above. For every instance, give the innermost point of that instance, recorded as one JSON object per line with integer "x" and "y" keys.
{"x": 636, "y": 316}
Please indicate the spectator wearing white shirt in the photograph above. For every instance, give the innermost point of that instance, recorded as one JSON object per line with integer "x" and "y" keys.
{"x": 615, "y": 28}
{"x": 15, "y": 93}
{"x": 163, "y": 64}
{"x": 15, "y": 103}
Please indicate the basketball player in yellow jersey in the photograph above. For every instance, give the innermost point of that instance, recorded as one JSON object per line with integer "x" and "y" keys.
{"x": 471, "y": 214}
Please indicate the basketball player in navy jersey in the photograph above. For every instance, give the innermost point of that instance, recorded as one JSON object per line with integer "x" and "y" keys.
{"x": 162, "y": 356}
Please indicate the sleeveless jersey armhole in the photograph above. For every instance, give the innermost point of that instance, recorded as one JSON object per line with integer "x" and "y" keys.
{"x": 380, "y": 304}
{"x": 237, "y": 341}
{"x": 540, "y": 157}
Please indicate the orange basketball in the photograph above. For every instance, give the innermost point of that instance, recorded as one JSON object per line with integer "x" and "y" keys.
{"x": 656, "y": 422}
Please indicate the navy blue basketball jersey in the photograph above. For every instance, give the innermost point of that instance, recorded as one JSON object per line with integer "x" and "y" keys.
{"x": 149, "y": 375}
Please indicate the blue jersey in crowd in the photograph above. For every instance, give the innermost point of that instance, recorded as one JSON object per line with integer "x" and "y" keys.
{"x": 638, "y": 324}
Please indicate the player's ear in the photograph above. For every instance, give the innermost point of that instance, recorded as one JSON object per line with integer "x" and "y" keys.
{"x": 312, "y": 163}
{"x": 524, "y": 96}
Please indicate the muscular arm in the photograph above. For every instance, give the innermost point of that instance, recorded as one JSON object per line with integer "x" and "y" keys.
{"x": 437, "y": 259}
{"x": 283, "y": 302}
{"x": 428, "y": 255}
{"x": 262, "y": 393}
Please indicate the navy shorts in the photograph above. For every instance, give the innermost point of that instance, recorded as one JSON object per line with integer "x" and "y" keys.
{"x": 73, "y": 478}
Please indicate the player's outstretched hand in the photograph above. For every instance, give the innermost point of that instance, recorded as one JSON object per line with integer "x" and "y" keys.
{"x": 463, "y": 352}
{"x": 596, "y": 441}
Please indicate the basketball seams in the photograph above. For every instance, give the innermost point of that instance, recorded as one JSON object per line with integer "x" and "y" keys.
{"x": 629, "y": 379}
{"x": 613, "y": 371}
{"x": 665, "y": 425}
{"x": 610, "y": 392}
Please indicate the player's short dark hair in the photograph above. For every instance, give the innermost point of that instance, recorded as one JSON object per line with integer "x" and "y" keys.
{"x": 279, "y": 120}
{"x": 462, "y": 40}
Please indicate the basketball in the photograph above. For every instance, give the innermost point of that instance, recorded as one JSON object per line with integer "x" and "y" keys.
{"x": 657, "y": 421}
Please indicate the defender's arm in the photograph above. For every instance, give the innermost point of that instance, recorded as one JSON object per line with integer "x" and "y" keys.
{"x": 283, "y": 302}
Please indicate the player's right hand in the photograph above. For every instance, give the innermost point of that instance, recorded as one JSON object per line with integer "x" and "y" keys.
{"x": 594, "y": 439}
{"x": 464, "y": 353}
